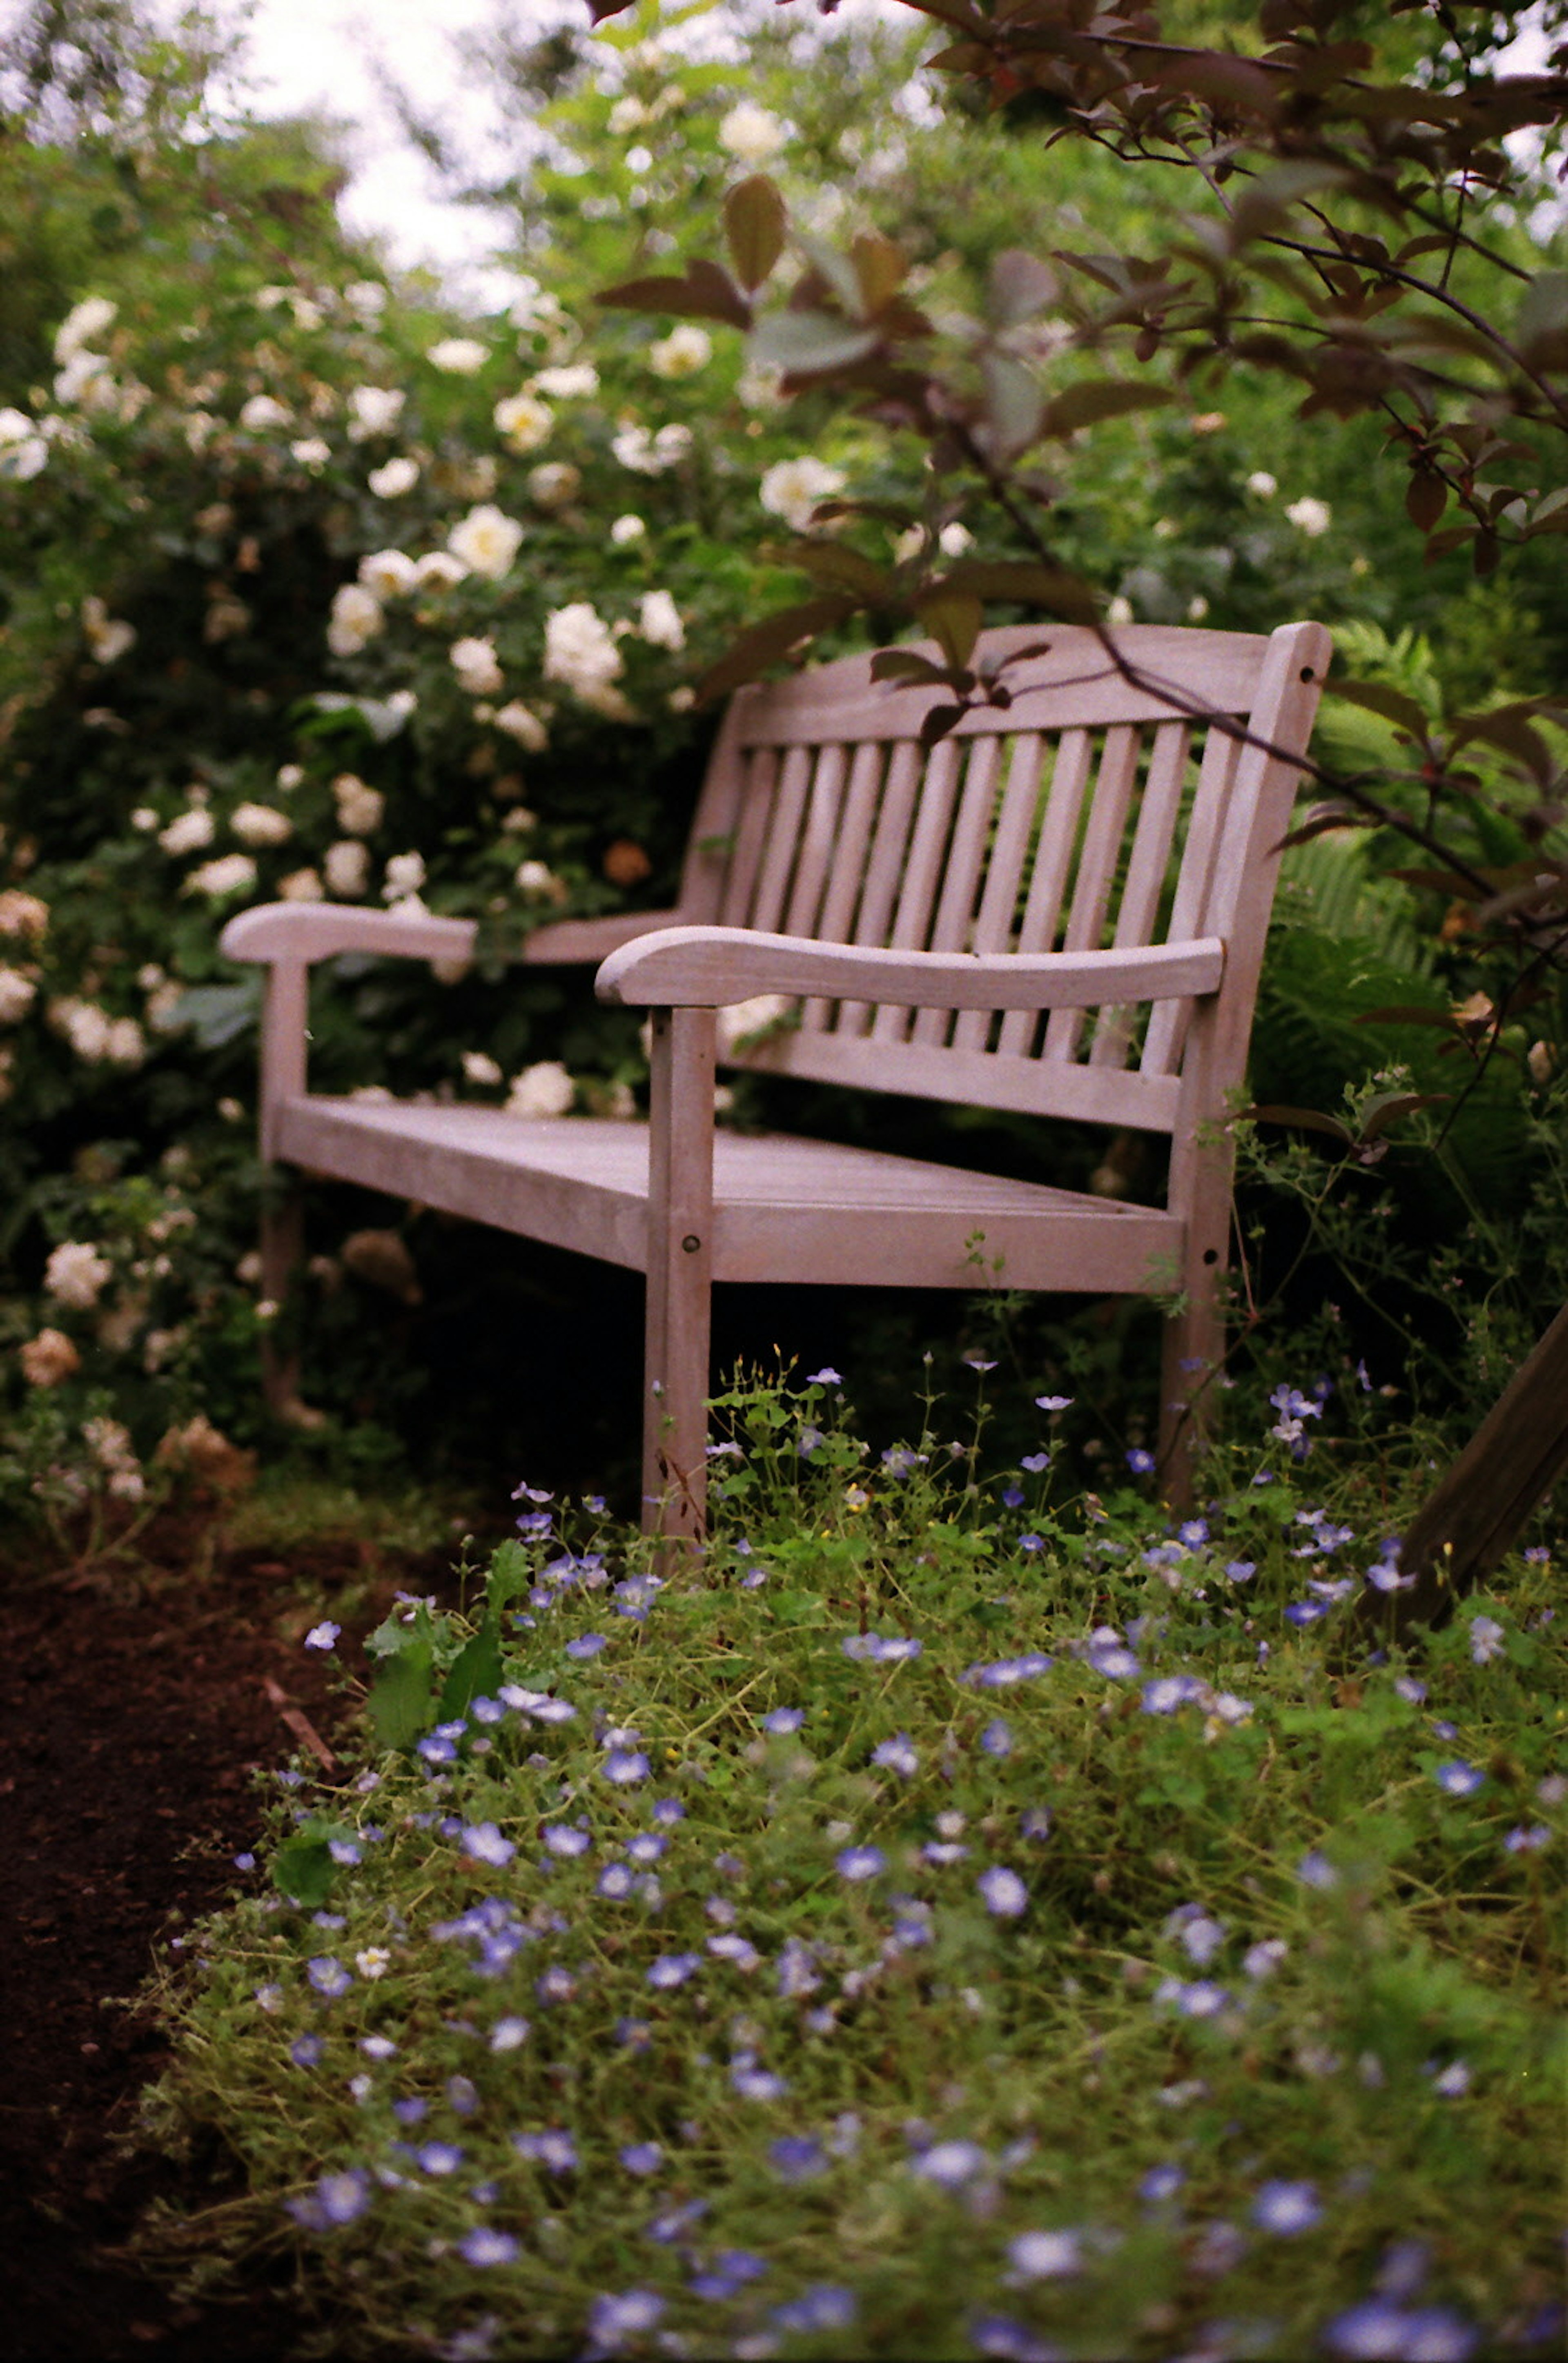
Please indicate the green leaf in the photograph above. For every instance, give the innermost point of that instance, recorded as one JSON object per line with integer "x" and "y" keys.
{"x": 1302, "y": 1120}
{"x": 754, "y": 220}
{"x": 1376, "y": 697}
{"x": 810, "y": 343}
{"x": 476, "y": 1672}
{"x": 798, "y": 1608}
{"x": 399, "y": 1703}
{"x": 220, "y": 1013}
{"x": 510, "y": 1572}
{"x": 302, "y": 1869}
{"x": 954, "y": 619}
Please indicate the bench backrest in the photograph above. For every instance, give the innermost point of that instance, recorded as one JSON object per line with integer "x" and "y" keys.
{"x": 1090, "y": 812}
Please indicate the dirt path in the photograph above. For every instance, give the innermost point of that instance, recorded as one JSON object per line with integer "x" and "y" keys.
{"x": 129, "y": 1735}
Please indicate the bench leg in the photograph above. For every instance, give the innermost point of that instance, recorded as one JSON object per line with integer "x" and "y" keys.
{"x": 1193, "y": 1350}
{"x": 283, "y": 1252}
{"x": 679, "y": 1276}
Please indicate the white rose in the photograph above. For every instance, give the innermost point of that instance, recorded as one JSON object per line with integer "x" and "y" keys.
{"x": 17, "y": 994}
{"x": 290, "y": 776}
{"x": 1262, "y": 485}
{"x": 474, "y": 663}
{"x": 487, "y": 541}
{"x": 261, "y": 412}
{"x": 231, "y": 873}
{"x": 531, "y": 307}
{"x": 479, "y": 1067}
{"x": 24, "y": 451}
{"x": 302, "y": 886}
{"x": 539, "y": 882}
{"x": 459, "y": 356}
{"x": 1310, "y": 516}
{"x": 388, "y": 574}
{"x": 374, "y": 410}
{"x": 555, "y": 483}
{"x": 49, "y": 1358}
{"x": 311, "y": 452}
{"x": 404, "y": 876}
{"x": 367, "y": 297}
{"x": 88, "y": 380}
{"x": 686, "y": 349}
{"x": 260, "y": 825}
{"x": 628, "y": 114}
{"x": 84, "y": 1025}
{"x": 390, "y": 482}
{"x": 82, "y": 324}
{"x": 524, "y": 421}
{"x": 356, "y": 618}
{"x": 569, "y": 382}
{"x": 648, "y": 454}
{"x": 361, "y": 809}
{"x": 579, "y": 651}
{"x": 954, "y": 539}
{"x": 440, "y": 570}
{"x": 347, "y": 867}
{"x": 1120, "y": 611}
{"x": 189, "y": 831}
{"x": 23, "y": 914}
{"x": 750, "y": 133}
{"x": 658, "y": 621}
{"x": 543, "y": 1089}
{"x": 628, "y": 529}
{"x": 75, "y": 1274}
{"x": 127, "y": 1045}
{"x": 742, "y": 1019}
{"x": 792, "y": 488}
{"x": 108, "y": 637}
{"x": 521, "y": 723}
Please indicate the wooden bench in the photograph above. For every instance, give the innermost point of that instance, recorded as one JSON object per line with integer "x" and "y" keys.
{"x": 1061, "y": 908}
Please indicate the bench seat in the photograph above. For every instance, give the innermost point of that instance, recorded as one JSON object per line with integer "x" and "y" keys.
{"x": 782, "y": 1204}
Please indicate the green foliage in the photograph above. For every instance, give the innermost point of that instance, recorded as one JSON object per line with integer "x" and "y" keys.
{"x": 951, "y": 1912}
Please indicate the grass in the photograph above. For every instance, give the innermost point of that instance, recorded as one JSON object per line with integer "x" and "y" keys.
{"x": 939, "y": 1924}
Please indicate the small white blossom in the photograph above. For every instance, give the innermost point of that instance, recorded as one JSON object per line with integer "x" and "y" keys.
{"x": 792, "y": 488}
{"x": 302, "y": 886}
{"x": 521, "y": 723}
{"x": 459, "y": 356}
{"x": 440, "y": 570}
{"x": 393, "y": 478}
{"x": 260, "y": 825}
{"x": 579, "y": 652}
{"x": 17, "y": 992}
{"x": 82, "y": 324}
{"x": 487, "y": 541}
{"x": 76, "y": 1273}
{"x": 750, "y": 133}
{"x": 1262, "y": 484}
{"x": 572, "y": 382}
{"x": 474, "y": 662}
{"x": 626, "y": 529}
{"x": 1310, "y": 516}
{"x": 49, "y": 1360}
{"x": 404, "y": 876}
{"x": 543, "y": 1089}
{"x": 374, "y": 410}
{"x": 348, "y": 868}
{"x": 658, "y": 621}
{"x": 360, "y": 808}
{"x": 231, "y": 873}
{"x": 263, "y": 410}
{"x": 356, "y": 619}
{"x": 647, "y": 454}
{"x": 188, "y": 831}
{"x": 479, "y": 1067}
{"x": 524, "y": 421}
{"x": 108, "y": 637}
{"x": 686, "y": 349}
{"x": 538, "y": 881}
{"x": 388, "y": 574}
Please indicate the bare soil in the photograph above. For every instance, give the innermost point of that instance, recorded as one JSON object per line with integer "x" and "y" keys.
{"x": 135, "y": 1717}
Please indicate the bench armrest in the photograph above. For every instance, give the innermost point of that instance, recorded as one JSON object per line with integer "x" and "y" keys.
{"x": 710, "y": 968}
{"x": 319, "y": 931}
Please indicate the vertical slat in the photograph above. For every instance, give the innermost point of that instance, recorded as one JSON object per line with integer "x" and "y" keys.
{"x": 679, "y": 1273}
{"x": 1097, "y": 870}
{"x": 1004, "y": 875}
{"x": 1168, "y": 1019}
{"x": 751, "y": 836}
{"x": 783, "y": 841}
{"x": 1047, "y": 880}
{"x": 954, "y": 923}
{"x": 859, "y": 812}
{"x": 818, "y": 842}
{"x": 875, "y": 916}
{"x": 1159, "y": 810}
{"x": 922, "y": 874}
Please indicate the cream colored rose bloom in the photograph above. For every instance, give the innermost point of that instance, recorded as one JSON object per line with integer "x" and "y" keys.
{"x": 49, "y": 1358}
{"x": 388, "y": 574}
{"x": 260, "y": 825}
{"x": 474, "y": 662}
{"x": 792, "y": 488}
{"x": 750, "y": 133}
{"x": 658, "y": 621}
{"x": 231, "y": 873}
{"x": 391, "y": 482}
{"x": 18, "y": 993}
{"x": 521, "y": 723}
{"x": 348, "y": 868}
{"x": 543, "y": 1089}
{"x": 360, "y": 808}
{"x": 525, "y": 422}
{"x": 686, "y": 349}
{"x": 355, "y": 620}
{"x": 76, "y": 1273}
{"x": 459, "y": 356}
{"x": 374, "y": 410}
{"x": 487, "y": 541}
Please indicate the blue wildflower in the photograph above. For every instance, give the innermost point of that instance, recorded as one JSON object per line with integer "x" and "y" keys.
{"x": 783, "y": 1720}
{"x": 952, "y": 2164}
{"x": 642, "y": 2158}
{"x": 337, "y": 2200}
{"x": 625, "y": 1765}
{"x": 672, "y": 1969}
{"x": 796, "y": 2157}
{"x": 483, "y": 2246}
{"x": 329, "y": 1975}
{"x": 822, "y": 2307}
{"x": 1286, "y": 2208}
{"x": 323, "y": 1636}
{"x": 587, "y": 1645}
{"x": 438, "y": 2157}
{"x": 1002, "y": 1891}
{"x": 486, "y": 1843}
{"x": 612, "y": 2320}
{"x": 1459, "y": 1778}
{"x": 997, "y": 1738}
{"x": 859, "y": 1862}
{"x": 897, "y": 1755}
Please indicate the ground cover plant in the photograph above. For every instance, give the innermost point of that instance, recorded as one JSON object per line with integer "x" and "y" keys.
{"x": 951, "y": 1917}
